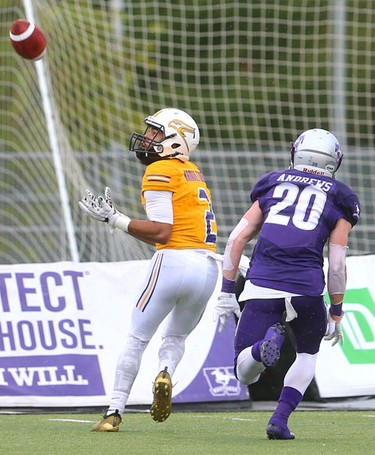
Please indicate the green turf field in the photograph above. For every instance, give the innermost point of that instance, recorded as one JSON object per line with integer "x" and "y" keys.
{"x": 190, "y": 433}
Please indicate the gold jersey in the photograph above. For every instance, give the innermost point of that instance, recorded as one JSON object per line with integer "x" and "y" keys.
{"x": 194, "y": 223}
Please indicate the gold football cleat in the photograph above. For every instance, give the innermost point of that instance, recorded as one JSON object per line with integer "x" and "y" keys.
{"x": 162, "y": 403}
{"x": 109, "y": 422}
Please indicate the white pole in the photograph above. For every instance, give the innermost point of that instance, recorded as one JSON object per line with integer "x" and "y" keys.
{"x": 116, "y": 7}
{"x": 45, "y": 94}
{"x": 339, "y": 73}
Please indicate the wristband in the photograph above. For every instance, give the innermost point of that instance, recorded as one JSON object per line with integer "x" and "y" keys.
{"x": 228, "y": 286}
{"x": 122, "y": 222}
{"x": 335, "y": 309}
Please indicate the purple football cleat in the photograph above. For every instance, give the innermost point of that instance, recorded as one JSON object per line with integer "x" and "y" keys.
{"x": 279, "y": 430}
{"x": 271, "y": 346}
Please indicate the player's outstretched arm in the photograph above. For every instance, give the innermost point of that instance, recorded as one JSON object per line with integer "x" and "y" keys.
{"x": 336, "y": 280}
{"x": 246, "y": 230}
{"x": 102, "y": 209}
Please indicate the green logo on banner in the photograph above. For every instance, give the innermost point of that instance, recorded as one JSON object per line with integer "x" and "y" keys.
{"x": 358, "y": 326}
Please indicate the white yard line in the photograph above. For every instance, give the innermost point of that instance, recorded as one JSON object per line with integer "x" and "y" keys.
{"x": 72, "y": 420}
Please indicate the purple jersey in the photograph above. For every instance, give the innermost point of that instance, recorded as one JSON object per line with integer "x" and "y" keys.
{"x": 300, "y": 210}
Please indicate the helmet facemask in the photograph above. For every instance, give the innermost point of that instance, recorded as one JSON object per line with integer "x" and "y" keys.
{"x": 146, "y": 147}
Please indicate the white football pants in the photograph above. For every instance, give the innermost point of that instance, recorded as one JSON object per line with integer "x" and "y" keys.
{"x": 177, "y": 287}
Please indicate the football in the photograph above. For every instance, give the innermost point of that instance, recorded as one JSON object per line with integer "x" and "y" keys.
{"x": 27, "y": 39}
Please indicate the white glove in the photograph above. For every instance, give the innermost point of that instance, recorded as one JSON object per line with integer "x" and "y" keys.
{"x": 226, "y": 305}
{"x": 334, "y": 331}
{"x": 99, "y": 208}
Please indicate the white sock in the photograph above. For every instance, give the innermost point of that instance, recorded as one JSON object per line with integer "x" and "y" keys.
{"x": 248, "y": 369}
{"x": 301, "y": 372}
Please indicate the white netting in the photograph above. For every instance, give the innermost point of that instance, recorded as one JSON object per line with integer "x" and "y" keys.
{"x": 254, "y": 75}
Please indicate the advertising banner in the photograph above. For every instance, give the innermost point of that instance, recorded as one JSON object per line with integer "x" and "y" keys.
{"x": 349, "y": 370}
{"x": 63, "y": 326}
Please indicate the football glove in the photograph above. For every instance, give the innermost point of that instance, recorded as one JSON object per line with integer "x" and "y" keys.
{"x": 225, "y": 306}
{"x": 334, "y": 330}
{"x": 99, "y": 208}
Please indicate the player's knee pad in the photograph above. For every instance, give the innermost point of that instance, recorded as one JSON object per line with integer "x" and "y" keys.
{"x": 133, "y": 350}
{"x": 136, "y": 343}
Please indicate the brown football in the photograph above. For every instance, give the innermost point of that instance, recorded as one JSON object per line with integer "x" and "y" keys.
{"x": 27, "y": 39}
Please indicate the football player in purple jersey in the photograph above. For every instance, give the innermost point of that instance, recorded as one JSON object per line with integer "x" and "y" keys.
{"x": 295, "y": 212}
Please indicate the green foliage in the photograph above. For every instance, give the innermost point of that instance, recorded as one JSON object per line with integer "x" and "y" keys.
{"x": 248, "y": 55}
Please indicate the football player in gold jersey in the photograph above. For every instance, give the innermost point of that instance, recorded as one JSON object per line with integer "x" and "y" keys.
{"x": 182, "y": 226}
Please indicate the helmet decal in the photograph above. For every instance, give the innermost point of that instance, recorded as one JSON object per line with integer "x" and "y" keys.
{"x": 182, "y": 128}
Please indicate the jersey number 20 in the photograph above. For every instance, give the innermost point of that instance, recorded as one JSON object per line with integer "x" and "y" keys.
{"x": 307, "y": 205}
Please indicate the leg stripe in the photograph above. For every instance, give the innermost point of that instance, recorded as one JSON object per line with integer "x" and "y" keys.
{"x": 148, "y": 291}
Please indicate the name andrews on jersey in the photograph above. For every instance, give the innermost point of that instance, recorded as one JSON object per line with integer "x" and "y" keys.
{"x": 322, "y": 184}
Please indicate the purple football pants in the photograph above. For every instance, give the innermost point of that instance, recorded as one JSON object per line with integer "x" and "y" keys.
{"x": 259, "y": 314}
